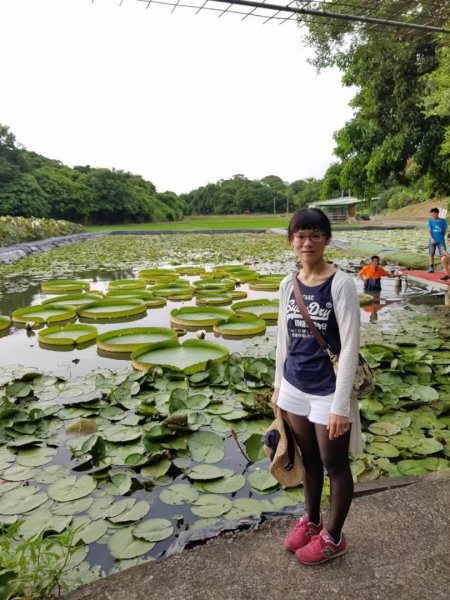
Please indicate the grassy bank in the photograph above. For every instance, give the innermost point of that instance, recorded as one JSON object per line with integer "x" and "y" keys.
{"x": 201, "y": 222}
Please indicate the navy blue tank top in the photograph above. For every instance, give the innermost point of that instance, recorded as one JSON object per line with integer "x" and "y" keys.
{"x": 307, "y": 366}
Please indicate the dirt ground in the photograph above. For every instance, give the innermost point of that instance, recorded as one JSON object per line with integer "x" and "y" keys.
{"x": 413, "y": 214}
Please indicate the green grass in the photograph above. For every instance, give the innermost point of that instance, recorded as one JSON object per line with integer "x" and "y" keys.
{"x": 214, "y": 222}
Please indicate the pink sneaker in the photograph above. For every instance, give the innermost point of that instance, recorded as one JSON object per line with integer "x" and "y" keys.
{"x": 321, "y": 548}
{"x": 301, "y": 534}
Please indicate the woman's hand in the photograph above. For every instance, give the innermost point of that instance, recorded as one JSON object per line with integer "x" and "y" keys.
{"x": 275, "y": 395}
{"x": 337, "y": 426}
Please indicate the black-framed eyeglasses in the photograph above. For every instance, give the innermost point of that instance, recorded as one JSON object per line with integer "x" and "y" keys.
{"x": 316, "y": 236}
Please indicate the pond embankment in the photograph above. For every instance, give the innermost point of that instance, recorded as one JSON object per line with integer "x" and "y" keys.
{"x": 397, "y": 549}
{"x": 10, "y": 254}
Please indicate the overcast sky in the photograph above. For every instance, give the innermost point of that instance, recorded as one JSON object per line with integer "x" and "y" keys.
{"x": 181, "y": 99}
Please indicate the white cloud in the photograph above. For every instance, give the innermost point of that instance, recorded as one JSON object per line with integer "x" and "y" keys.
{"x": 181, "y": 99}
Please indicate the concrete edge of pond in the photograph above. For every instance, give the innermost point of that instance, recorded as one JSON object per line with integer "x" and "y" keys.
{"x": 10, "y": 254}
{"x": 397, "y": 549}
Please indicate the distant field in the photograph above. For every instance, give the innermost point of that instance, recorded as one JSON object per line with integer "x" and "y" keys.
{"x": 216, "y": 222}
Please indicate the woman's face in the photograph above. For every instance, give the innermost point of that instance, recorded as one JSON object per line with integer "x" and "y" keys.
{"x": 309, "y": 244}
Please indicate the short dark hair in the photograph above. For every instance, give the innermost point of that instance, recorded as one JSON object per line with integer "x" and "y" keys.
{"x": 309, "y": 218}
{"x": 434, "y": 210}
{"x": 374, "y": 257}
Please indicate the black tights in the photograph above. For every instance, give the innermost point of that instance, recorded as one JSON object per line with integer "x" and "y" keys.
{"x": 318, "y": 451}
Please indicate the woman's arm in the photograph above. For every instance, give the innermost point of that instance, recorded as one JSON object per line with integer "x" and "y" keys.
{"x": 346, "y": 306}
{"x": 282, "y": 334}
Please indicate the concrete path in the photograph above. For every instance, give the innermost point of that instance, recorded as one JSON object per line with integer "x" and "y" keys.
{"x": 398, "y": 549}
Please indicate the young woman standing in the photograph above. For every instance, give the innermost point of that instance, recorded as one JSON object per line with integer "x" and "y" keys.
{"x": 319, "y": 405}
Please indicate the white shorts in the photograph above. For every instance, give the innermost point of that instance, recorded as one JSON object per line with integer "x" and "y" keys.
{"x": 316, "y": 408}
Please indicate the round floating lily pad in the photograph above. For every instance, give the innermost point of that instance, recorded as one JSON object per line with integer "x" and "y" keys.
{"x": 150, "y": 273}
{"x": 21, "y": 500}
{"x": 382, "y": 449}
{"x": 205, "y": 472}
{"x": 43, "y": 520}
{"x": 384, "y": 428}
{"x": 240, "y": 327}
{"x": 71, "y": 488}
{"x": 216, "y": 300}
{"x": 197, "y": 315}
{"x": 127, "y": 340}
{"x": 134, "y": 513}
{"x": 211, "y": 505}
{"x": 62, "y": 286}
{"x": 231, "y": 482}
{"x": 68, "y": 335}
{"x": 123, "y": 545}
{"x": 178, "y": 494}
{"x": 365, "y": 299}
{"x": 190, "y": 357}
{"x": 264, "y": 285}
{"x": 238, "y": 294}
{"x": 153, "y": 530}
{"x": 428, "y": 446}
{"x": 124, "y": 294}
{"x": 191, "y": 270}
{"x": 5, "y": 322}
{"x": 127, "y": 284}
{"x": 74, "y": 299}
{"x": 206, "y": 447}
{"x": 35, "y": 457}
{"x": 262, "y": 481}
{"x": 44, "y": 313}
{"x": 261, "y": 309}
{"x": 112, "y": 309}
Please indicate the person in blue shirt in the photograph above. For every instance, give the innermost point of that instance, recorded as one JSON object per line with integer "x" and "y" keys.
{"x": 437, "y": 229}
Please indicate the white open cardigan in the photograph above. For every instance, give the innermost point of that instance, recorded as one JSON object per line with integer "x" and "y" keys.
{"x": 347, "y": 311}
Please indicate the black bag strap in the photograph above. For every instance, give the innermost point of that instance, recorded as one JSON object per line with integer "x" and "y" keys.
{"x": 302, "y": 308}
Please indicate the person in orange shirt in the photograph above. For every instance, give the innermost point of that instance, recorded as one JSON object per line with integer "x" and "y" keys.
{"x": 371, "y": 275}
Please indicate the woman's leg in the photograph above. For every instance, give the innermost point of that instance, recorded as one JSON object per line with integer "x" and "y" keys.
{"x": 305, "y": 435}
{"x": 334, "y": 456}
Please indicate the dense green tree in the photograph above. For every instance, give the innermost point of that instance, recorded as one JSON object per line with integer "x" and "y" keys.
{"x": 24, "y": 197}
{"x": 331, "y": 184}
{"x": 389, "y": 70}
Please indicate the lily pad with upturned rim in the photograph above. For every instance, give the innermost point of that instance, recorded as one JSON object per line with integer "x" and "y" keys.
{"x": 214, "y": 300}
{"x": 112, "y": 309}
{"x": 74, "y": 300}
{"x": 127, "y": 284}
{"x": 240, "y": 327}
{"x": 197, "y": 315}
{"x": 68, "y": 335}
{"x": 44, "y": 313}
{"x": 62, "y": 286}
{"x": 5, "y": 322}
{"x": 127, "y": 340}
{"x": 190, "y": 357}
{"x": 261, "y": 309}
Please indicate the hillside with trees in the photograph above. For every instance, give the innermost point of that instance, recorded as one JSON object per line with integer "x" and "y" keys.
{"x": 397, "y": 145}
{"x": 32, "y": 185}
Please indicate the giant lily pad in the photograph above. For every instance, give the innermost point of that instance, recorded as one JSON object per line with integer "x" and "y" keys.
{"x": 190, "y": 357}
{"x": 240, "y": 327}
{"x": 4, "y": 322}
{"x": 197, "y": 315}
{"x": 44, "y": 313}
{"x": 127, "y": 284}
{"x": 74, "y": 299}
{"x": 112, "y": 309}
{"x": 68, "y": 335}
{"x": 127, "y": 340}
{"x": 62, "y": 286}
{"x": 261, "y": 309}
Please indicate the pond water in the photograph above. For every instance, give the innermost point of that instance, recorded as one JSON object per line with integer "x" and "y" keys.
{"x": 22, "y": 346}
